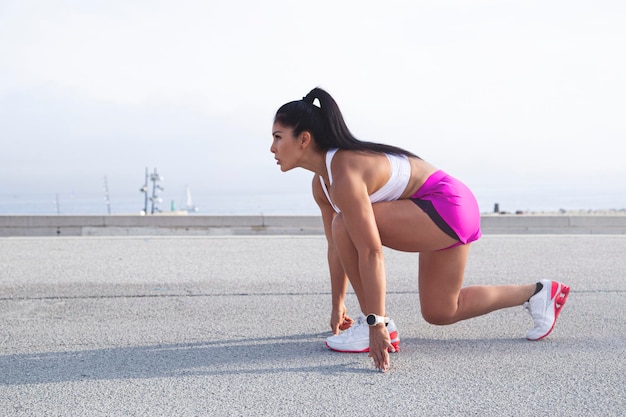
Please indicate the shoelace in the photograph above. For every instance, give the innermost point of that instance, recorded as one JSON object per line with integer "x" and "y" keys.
{"x": 526, "y": 306}
{"x": 537, "y": 317}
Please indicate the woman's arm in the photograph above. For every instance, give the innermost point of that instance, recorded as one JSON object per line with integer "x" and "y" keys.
{"x": 349, "y": 192}
{"x": 338, "y": 278}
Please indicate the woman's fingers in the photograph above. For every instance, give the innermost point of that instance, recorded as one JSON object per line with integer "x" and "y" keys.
{"x": 381, "y": 360}
{"x": 346, "y": 324}
{"x": 380, "y": 345}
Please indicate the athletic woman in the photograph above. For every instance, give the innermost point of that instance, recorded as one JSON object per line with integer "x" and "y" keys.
{"x": 372, "y": 195}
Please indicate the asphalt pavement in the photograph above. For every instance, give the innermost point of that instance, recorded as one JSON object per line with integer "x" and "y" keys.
{"x": 219, "y": 325}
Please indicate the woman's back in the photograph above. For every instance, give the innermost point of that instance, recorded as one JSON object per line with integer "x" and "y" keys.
{"x": 377, "y": 170}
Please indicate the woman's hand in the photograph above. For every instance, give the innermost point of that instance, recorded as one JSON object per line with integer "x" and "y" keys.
{"x": 380, "y": 346}
{"x": 339, "y": 320}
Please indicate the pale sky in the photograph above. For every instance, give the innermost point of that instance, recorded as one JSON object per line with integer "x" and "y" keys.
{"x": 501, "y": 94}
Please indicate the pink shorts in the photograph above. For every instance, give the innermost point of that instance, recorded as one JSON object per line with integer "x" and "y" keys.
{"x": 451, "y": 205}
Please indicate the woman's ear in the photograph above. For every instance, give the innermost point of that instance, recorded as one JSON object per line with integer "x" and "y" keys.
{"x": 305, "y": 139}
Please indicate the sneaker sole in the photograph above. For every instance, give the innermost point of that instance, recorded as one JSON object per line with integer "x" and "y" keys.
{"x": 559, "y": 302}
{"x": 395, "y": 343}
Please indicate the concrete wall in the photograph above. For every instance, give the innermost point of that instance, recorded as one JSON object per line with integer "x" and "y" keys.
{"x": 136, "y": 225}
{"x": 201, "y": 225}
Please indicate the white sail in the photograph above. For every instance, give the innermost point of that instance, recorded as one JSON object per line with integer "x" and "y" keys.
{"x": 189, "y": 206}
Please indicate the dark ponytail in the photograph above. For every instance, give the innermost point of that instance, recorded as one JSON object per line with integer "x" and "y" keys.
{"x": 326, "y": 124}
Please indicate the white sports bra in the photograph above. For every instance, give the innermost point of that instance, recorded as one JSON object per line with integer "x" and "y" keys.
{"x": 392, "y": 190}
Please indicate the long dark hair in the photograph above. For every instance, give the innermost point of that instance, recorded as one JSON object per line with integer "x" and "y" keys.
{"x": 326, "y": 124}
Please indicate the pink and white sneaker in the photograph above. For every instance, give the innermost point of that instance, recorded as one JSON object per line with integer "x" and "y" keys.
{"x": 544, "y": 307}
{"x": 356, "y": 339}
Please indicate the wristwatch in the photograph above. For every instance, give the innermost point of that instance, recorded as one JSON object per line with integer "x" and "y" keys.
{"x": 374, "y": 320}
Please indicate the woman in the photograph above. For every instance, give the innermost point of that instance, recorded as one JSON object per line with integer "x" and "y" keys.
{"x": 372, "y": 195}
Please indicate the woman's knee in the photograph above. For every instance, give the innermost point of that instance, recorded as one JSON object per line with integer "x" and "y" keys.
{"x": 438, "y": 315}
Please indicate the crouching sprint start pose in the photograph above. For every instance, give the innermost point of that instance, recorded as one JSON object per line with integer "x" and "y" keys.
{"x": 372, "y": 195}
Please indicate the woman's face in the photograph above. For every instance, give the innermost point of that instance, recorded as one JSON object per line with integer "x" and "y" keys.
{"x": 284, "y": 147}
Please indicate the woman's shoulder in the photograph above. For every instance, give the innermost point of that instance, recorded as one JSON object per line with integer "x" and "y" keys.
{"x": 352, "y": 157}
{"x": 358, "y": 166}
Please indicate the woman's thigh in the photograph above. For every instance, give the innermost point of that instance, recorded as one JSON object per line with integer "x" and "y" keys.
{"x": 406, "y": 227}
{"x": 440, "y": 281}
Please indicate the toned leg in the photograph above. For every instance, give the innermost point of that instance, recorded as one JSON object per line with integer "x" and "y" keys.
{"x": 406, "y": 227}
{"x": 444, "y": 301}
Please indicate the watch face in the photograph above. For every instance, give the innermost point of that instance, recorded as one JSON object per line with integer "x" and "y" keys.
{"x": 371, "y": 319}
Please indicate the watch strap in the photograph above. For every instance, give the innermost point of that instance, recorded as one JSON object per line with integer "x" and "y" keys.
{"x": 375, "y": 319}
